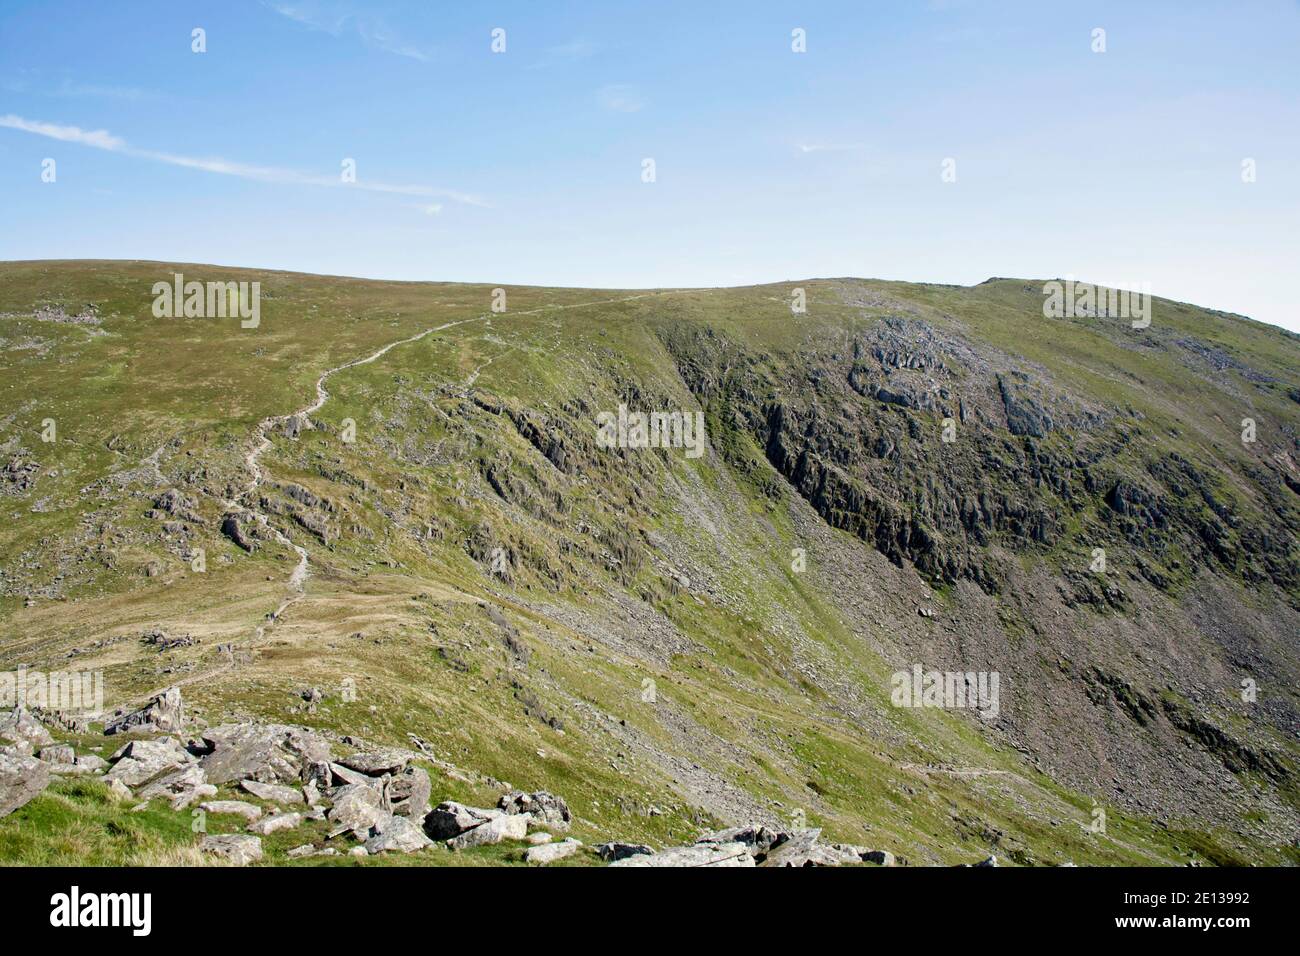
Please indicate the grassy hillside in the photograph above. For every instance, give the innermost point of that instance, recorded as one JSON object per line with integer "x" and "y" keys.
{"x": 628, "y": 628}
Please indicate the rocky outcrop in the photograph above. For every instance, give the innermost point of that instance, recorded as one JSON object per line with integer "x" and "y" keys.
{"x": 396, "y": 834}
{"x": 550, "y": 852}
{"x": 240, "y": 849}
{"x": 703, "y": 854}
{"x": 450, "y": 819}
{"x": 141, "y": 760}
{"x": 18, "y": 726}
{"x": 21, "y": 780}
{"x": 544, "y": 807}
{"x": 502, "y": 827}
{"x": 267, "y": 753}
{"x": 164, "y": 714}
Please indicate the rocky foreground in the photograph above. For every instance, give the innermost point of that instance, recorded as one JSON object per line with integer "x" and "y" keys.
{"x": 375, "y": 800}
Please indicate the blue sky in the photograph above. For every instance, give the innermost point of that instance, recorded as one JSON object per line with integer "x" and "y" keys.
{"x": 1119, "y": 167}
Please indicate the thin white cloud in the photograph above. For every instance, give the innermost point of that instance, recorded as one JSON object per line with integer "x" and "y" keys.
{"x": 337, "y": 18}
{"x": 621, "y": 98}
{"x": 99, "y": 138}
{"x": 102, "y": 139}
{"x": 131, "y": 93}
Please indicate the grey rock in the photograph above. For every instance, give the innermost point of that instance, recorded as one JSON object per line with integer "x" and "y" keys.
{"x": 550, "y": 852}
{"x": 275, "y": 823}
{"x": 345, "y": 776}
{"x": 270, "y": 753}
{"x": 174, "y": 783}
{"x": 21, "y": 779}
{"x": 142, "y": 760}
{"x": 613, "y": 851}
{"x": 246, "y": 810}
{"x": 450, "y": 819}
{"x": 306, "y": 849}
{"x": 409, "y": 792}
{"x": 545, "y": 807}
{"x": 802, "y": 849}
{"x": 758, "y": 838}
{"x": 185, "y": 798}
{"x": 505, "y": 827}
{"x": 701, "y": 854}
{"x": 239, "y": 848}
{"x": 271, "y": 792}
{"x": 164, "y": 714}
{"x": 59, "y": 753}
{"x": 883, "y": 857}
{"x": 19, "y": 726}
{"x": 396, "y": 834}
{"x": 375, "y": 763}
{"x": 357, "y": 807}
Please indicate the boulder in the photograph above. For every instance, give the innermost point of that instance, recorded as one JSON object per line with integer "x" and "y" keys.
{"x": 175, "y": 783}
{"x": 550, "y": 852}
{"x": 357, "y": 807}
{"x": 269, "y": 753}
{"x": 396, "y": 834}
{"x": 802, "y": 849}
{"x": 609, "y": 852}
{"x": 164, "y": 714}
{"x": 275, "y": 823}
{"x": 246, "y": 810}
{"x": 185, "y": 798}
{"x": 883, "y": 857}
{"x": 545, "y": 807}
{"x": 142, "y": 760}
{"x": 375, "y": 763}
{"x": 59, "y": 753}
{"x": 505, "y": 827}
{"x": 342, "y": 775}
{"x": 409, "y": 792}
{"x": 702, "y": 854}
{"x": 120, "y": 790}
{"x": 306, "y": 849}
{"x": 758, "y": 838}
{"x": 21, "y": 779}
{"x": 450, "y": 819}
{"x": 239, "y": 848}
{"x": 271, "y": 792}
{"x": 91, "y": 763}
{"x": 20, "y": 727}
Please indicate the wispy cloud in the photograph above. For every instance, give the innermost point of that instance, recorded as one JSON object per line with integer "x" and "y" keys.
{"x": 621, "y": 98}
{"x": 103, "y": 139}
{"x": 71, "y": 88}
{"x": 132, "y": 93}
{"x": 337, "y": 17}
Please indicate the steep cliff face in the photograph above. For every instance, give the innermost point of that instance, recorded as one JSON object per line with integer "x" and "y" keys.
{"x": 932, "y": 450}
{"x": 392, "y": 488}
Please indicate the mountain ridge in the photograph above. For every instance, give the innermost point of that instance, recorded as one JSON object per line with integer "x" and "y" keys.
{"x": 476, "y": 481}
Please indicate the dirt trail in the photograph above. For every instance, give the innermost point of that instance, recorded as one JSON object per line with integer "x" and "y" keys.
{"x": 296, "y": 586}
{"x": 298, "y": 579}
